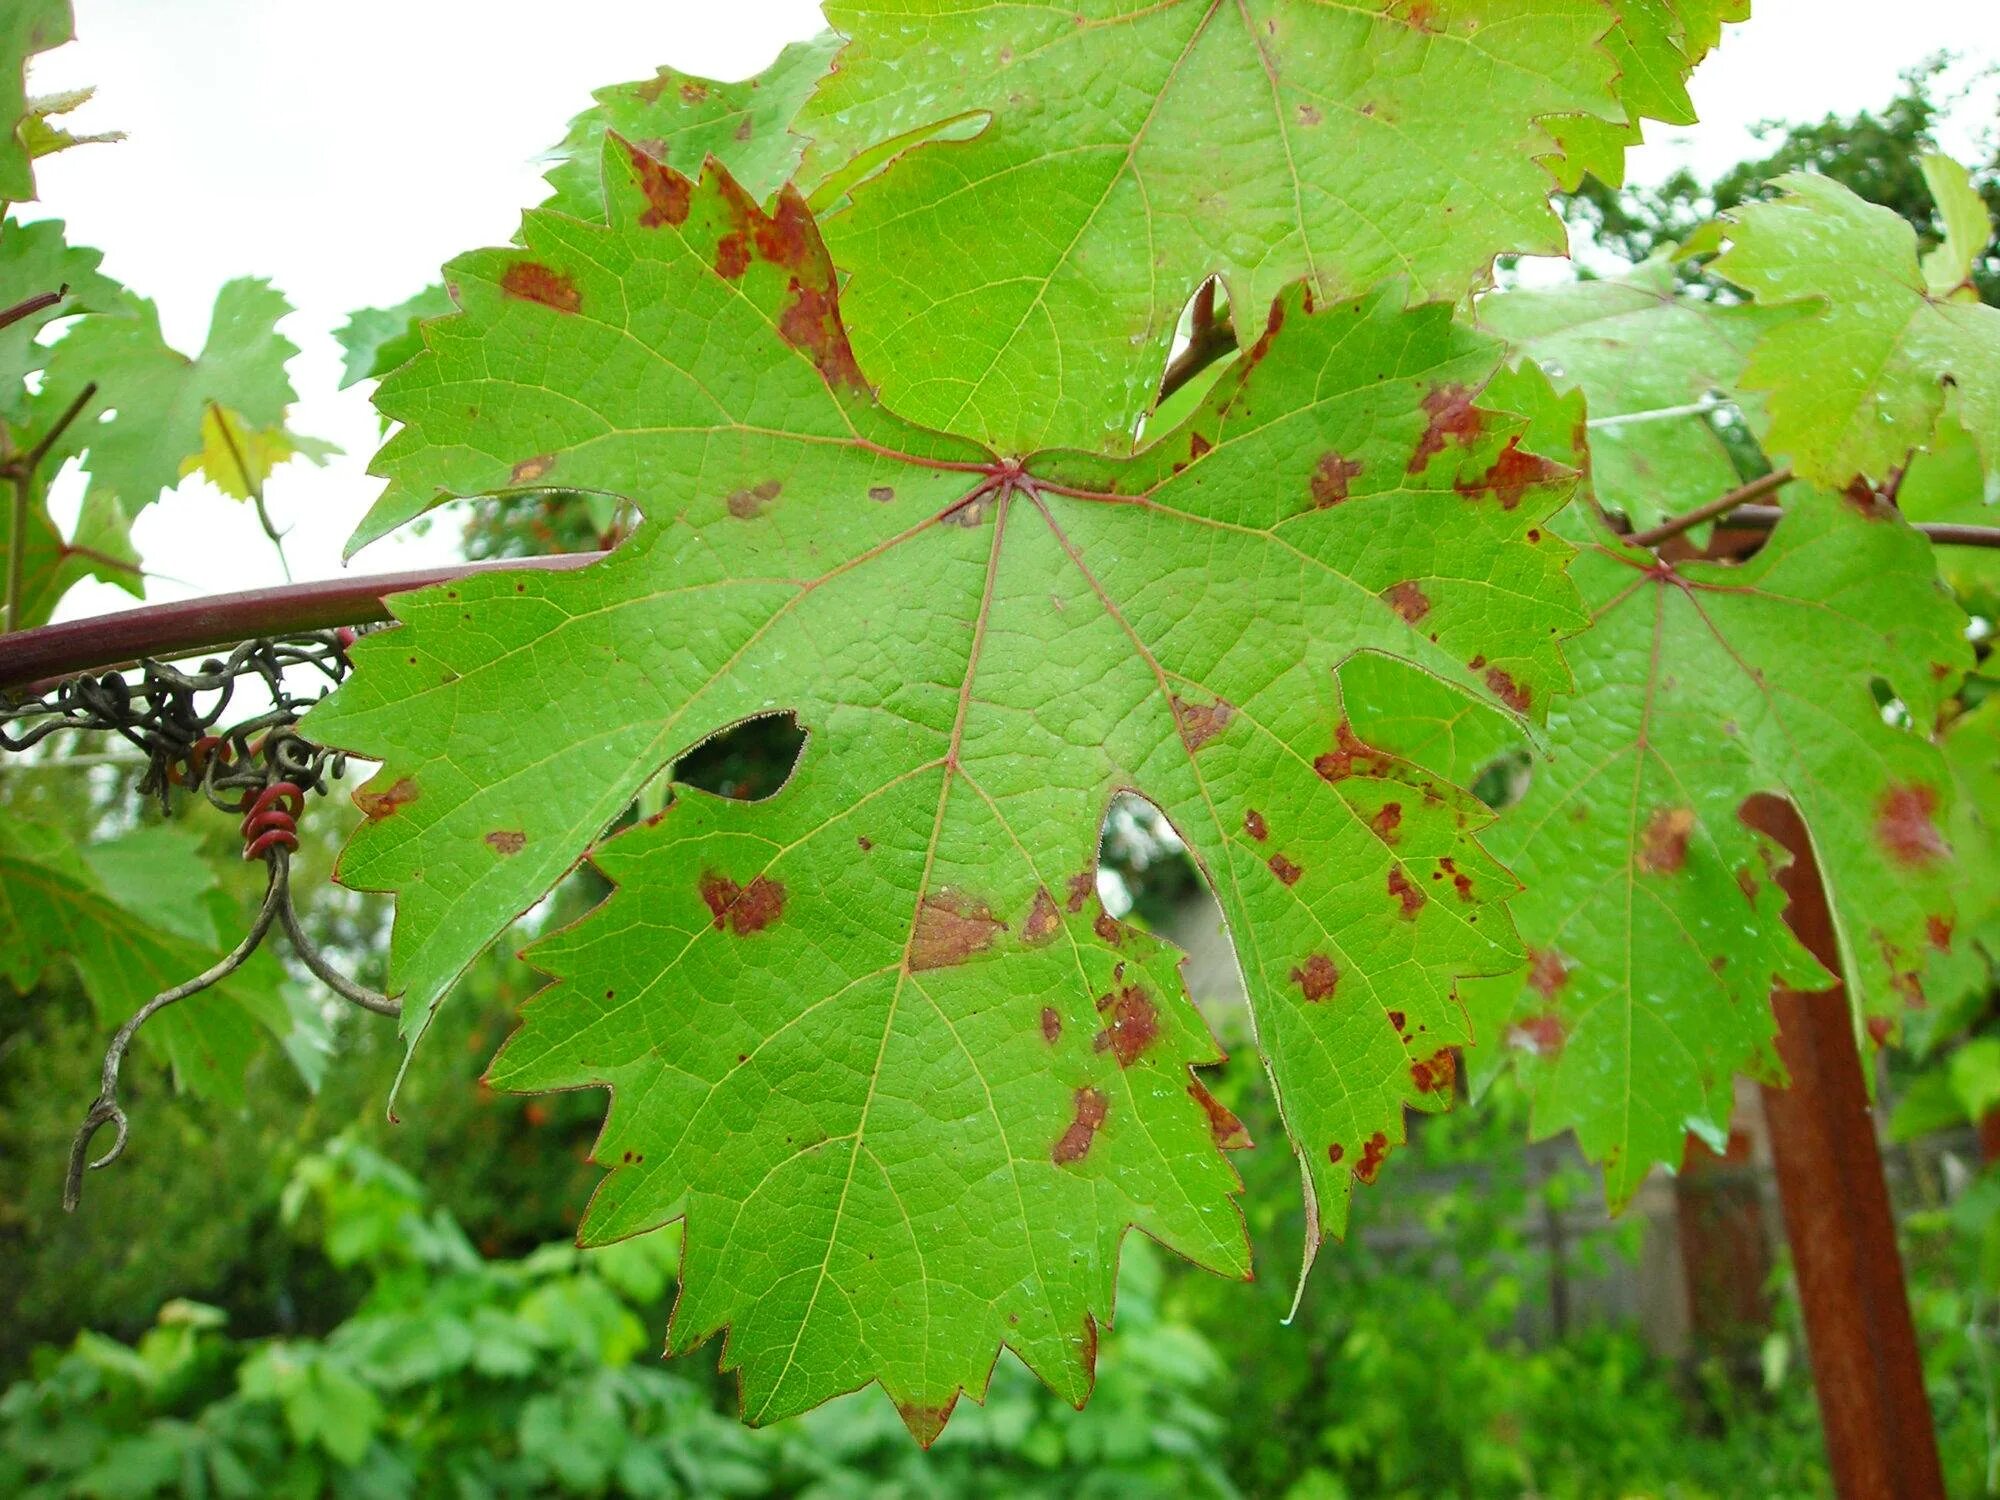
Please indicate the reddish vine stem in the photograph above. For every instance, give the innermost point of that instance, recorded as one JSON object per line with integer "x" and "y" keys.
{"x": 32, "y": 305}
{"x": 168, "y": 630}
{"x": 1944, "y": 533}
{"x": 1721, "y": 505}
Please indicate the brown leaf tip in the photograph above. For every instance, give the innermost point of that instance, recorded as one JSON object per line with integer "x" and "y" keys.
{"x": 531, "y": 281}
{"x": 743, "y": 909}
{"x": 1317, "y": 978}
{"x": 1074, "y": 1143}
{"x": 926, "y": 1423}
{"x": 950, "y": 927}
{"x": 1133, "y": 1025}
{"x": 1224, "y": 1128}
{"x": 376, "y": 806}
{"x": 1664, "y": 844}
{"x": 1201, "y": 722}
{"x": 1906, "y": 827}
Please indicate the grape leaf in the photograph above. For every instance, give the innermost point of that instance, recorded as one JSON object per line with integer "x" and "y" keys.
{"x": 943, "y": 1078}
{"x": 1655, "y": 45}
{"x": 36, "y": 259}
{"x": 1636, "y": 346}
{"x": 1968, "y": 230}
{"x": 1861, "y": 379}
{"x": 135, "y": 916}
{"x": 26, "y": 28}
{"x": 1650, "y": 915}
{"x": 683, "y": 120}
{"x": 158, "y": 406}
{"x": 377, "y": 339}
{"x": 1022, "y": 286}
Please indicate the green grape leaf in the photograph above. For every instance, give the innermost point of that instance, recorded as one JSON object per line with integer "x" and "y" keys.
{"x": 134, "y": 916}
{"x": 874, "y": 1037}
{"x": 100, "y": 548}
{"x": 1859, "y": 381}
{"x": 1655, "y": 45}
{"x": 1968, "y": 229}
{"x": 1641, "y": 352}
{"x": 378, "y": 339}
{"x": 683, "y": 120}
{"x": 26, "y": 28}
{"x": 35, "y": 260}
{"x": 1949, "y": 482}
{"x": 155, "y": 408}
{"x": 1022, "y": 286}
{"x": 1650, "y": 916}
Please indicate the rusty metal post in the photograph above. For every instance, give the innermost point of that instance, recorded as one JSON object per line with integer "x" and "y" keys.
{"x": 1880, "y": 1441}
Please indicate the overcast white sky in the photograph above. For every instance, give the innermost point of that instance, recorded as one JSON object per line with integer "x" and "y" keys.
{"x": 346, "y": 150}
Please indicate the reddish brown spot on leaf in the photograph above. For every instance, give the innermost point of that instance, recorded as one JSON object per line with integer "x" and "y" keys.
{"x": 1387, "y": 821}
{"x": 693, "y": 91}
{"x": 1087, "y": 1342}
{"x": 811, "y": 324}
{"x": 1272, "y": 324}
{"x": 1904, "y": 825}
{"x": 1331, "y": 477}
{"x": 1541, "y": 1035}
{"x": 1074, "y": 1143}
{"x": 1133, "y": 1025}
{"x": 1284, "y": 869}
{"x": 1043, "y": 919}
{"x": 531, "y": 281}
{"x": 1663, "y": 846}
{"x": 1373, "y": 1152}
{"x": 1109, "y": 928}
{"x": 1255, "y": 826}
{"x": 1198, "y": 446}
{"x": 528, "y": 470}
{"x": 925, "y": 1422}
{"x": 1451, "y": 418}
{"x": 1201, "y": 722}
{"x": 1308, "y": 116}
{"x": 376, "y": 806}
{"x": 1080, "y": 889}
{"x": 1547, "y": 973}
{"x": 1226, "y": 1130}
{"x": 1512, "y": 475}
{"x": 863, "y": 842}
{"x": 747, "y": 504}
{"x": 1409, "y": 898}
{"x": 1408, "y": 600}
{"x": 1335, "y": 1152}
{"x": 743, "y": 909}
{"x": 1051, "y": 1025}
{"x": 1349, "y": 757}
{"x": 1507, "y": 690}
{"x": 1460, "y": 881}
{"x": 950, "y": 927}
{"x": 667, "y": 192}
{"x": 1436, "y": 1073}
{"x": 507, "y": 840}
{"x": 1397, "y": 1019}
{"x": 881, "y": 494}
{"x": 1316, "y": 978}
{"x": 732, "y": 255}
{"x": 1939, "y": 931}
{"x": 1746, "y": 883}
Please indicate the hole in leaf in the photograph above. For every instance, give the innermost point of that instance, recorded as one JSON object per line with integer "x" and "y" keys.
{"x": 746, "y": 762}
